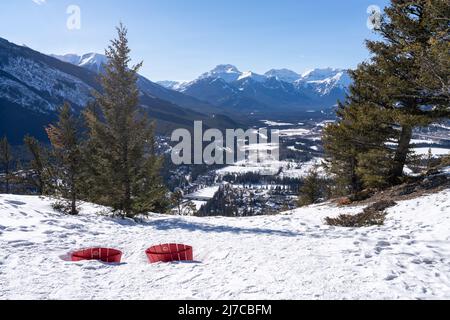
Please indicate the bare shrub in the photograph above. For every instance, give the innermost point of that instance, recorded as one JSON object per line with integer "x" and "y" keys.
{"x": 373, "y": 215}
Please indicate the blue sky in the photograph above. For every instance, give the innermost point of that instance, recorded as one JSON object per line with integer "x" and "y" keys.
{"x": 180, "y": 39}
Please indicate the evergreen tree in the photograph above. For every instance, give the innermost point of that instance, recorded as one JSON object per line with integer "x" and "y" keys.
{"x": 65, "y": 138}
{"x": 6, "y": 160}
{"x": 409, "y": 63}
{"x": 312, "y": 189}
{"x": 355, "y": 141}
{"x": 391, "y": 95}
{"x": 125, "y": 166}
{"x": 40, "y": 176}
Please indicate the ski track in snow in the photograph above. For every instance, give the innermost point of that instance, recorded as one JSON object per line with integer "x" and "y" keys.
{"x": 288, "y": 256}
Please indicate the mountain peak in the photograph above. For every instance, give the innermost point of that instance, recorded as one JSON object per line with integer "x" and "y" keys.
{"x": 253, "y": 76}
{"x": 228, "y": 68}
{"x": 92, "y": 61}
{"x": 320, "y": 74}
{"x": 226, "y": 72}
{"x": 285, "y": 75}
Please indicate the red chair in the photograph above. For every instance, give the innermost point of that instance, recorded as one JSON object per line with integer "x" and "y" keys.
{"x": 101, "y": 254}
{"x": 169, "y": 252}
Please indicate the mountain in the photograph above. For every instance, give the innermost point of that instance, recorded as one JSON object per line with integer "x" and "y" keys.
{"x": 95, "y": 62}
{"x": 33, "y": 85}
{"x": 324, "y": 81}
{"x": 227, "y": 72}
{"x": 278, "y": 91}
{"x": 285, "y": 75}
{"x": 172, "y": 85}
{"x": 91, "y": 61}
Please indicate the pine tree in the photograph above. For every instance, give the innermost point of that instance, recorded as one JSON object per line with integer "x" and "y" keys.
{"x": 65, "y": 138}
{"x": 40, "y": 176}
{"x": 6, "y": 160}
{"x": 391, "y": 95}
{"x": 355, "y": 143}
{"x": 408, "y": 59}
{"x": 312, "y": 188}
{"x": 125, "y": 166}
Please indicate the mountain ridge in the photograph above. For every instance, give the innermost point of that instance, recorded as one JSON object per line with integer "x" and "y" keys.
{"x": 278, "y": 90}
{"x": 33, "y": 85}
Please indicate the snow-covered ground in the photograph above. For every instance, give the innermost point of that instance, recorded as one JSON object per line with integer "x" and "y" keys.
{"x": 288, "y": 256}
{"x": 205, "y": 193}
{"x": 434, "y": 151}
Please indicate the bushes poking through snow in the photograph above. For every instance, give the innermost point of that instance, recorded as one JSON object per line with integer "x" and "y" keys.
{"x": 373, "y": 215}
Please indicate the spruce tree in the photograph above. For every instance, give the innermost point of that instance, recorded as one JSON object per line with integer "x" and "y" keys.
{"x": 125, "y": 166}
{"x": 354, "y": 145}
{"x": 312, "y": 190}
{"x": 412, "y": 67}
{"x": 6, "y": 160}
{"x": 65, "y": 137}
{"x": 404, "y": 85}
{"x": 39, "y": 176}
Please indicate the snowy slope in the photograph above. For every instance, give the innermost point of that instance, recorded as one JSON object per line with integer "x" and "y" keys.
{"x": 92, "y": 61}
{"x": 289, "y": 256}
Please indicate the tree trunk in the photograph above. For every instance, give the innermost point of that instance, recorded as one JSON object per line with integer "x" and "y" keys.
{"x": 355, "y": 180}
{"x": 73, "y": 193}
{"x": 401, "y": 154}
{"x": 7, "y": 177}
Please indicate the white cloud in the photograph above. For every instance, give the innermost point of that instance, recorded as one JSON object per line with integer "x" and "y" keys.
{"x": 40, "y": 2}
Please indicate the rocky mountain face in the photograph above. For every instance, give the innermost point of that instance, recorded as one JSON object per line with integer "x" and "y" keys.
{"x": 277, "y": 91}
{"x": 33, "y": 85}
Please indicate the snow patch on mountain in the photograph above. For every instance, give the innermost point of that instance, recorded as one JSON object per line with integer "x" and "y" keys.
{"x": 172, "y": 85}
{"x": 54, "y": 84}
{"x": 285, "y": 75}
{"x": 323, "y": 81}
{"x": 92, "y": 61}
{"x": 251, "y": 75}
{"x": 320, "y": 82}
{"x": 227, "y": 72}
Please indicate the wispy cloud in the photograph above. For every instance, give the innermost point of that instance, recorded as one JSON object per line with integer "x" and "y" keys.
{"x": 40, "y": 2}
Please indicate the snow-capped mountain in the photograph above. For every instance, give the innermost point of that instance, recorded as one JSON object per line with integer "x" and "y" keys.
{"x": 282, "y": 90}
{"x": 91, "y": 61}
{"x": 33, "y": 85}
{"x": 227, "y": 72}
{"x": 253, "y": 76}
{"x": 172, "y": 85}
{"x": 170, "y": 91}
{"x": 285, "y": 75}
{"x": 324, "y": 81}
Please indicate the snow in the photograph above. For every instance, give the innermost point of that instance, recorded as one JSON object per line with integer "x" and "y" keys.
{"x": 285, "y": 75}
{"x": 44, "y": 79}
{"x": 323, "y": 81}
{"x": 304, "y": 169}
{"x": 293, "y": 132}
{"x": 434, "y": 151}
{"x": 226, "y": 72}
{"x": 288, "y": 256}
{"x": 252, "y": 75}
{"x": 276, "y": 124}
{"x": 204, "y": 194}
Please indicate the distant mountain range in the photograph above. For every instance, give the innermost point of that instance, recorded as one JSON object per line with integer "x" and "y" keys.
{"x": 33, "y": 85}
{"x": 275, "y": 92}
